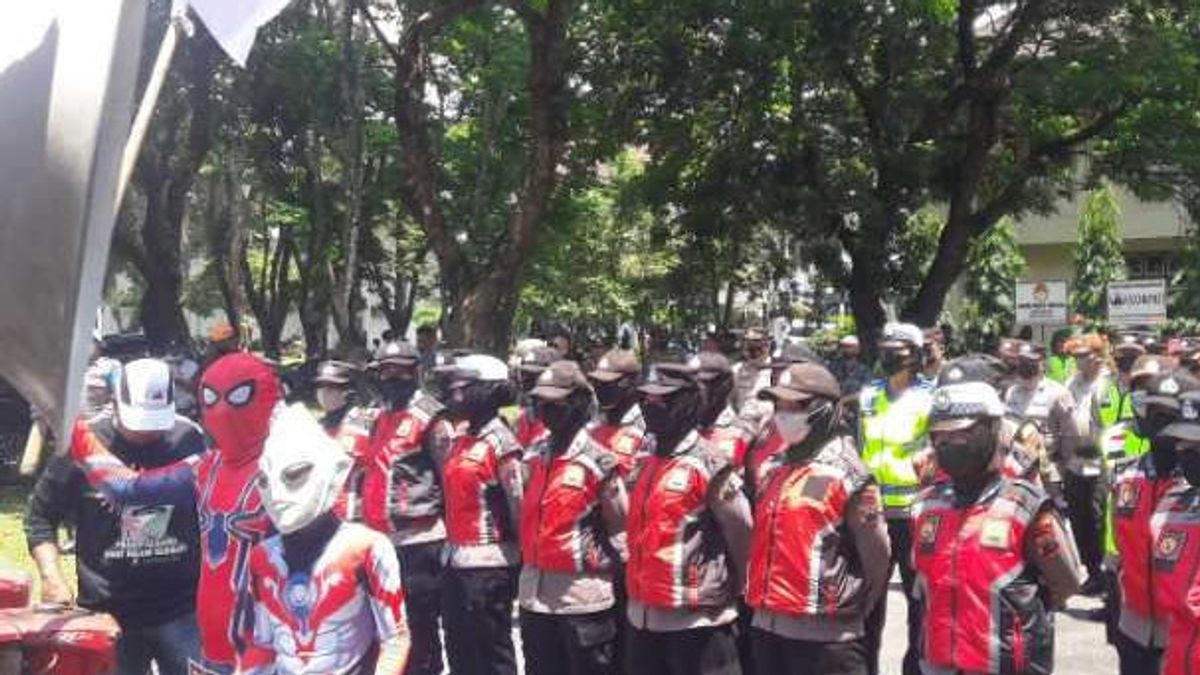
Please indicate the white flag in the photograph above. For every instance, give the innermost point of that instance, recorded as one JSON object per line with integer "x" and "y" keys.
{"x": 235, "y": 23}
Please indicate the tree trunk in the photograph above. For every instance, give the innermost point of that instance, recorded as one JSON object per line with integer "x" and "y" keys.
{"x": 483, "y": 315}
{"x": 481, "y": 302}
{"x": 865, "y": 299}
{"x": 347, "y": 281}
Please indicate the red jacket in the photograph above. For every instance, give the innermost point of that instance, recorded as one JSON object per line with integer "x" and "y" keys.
{"x": 983, "y": 611}
{"x": 399, "y": 480}
{"x": 476, "y": 510}
{"x": 729, "y": 437}
{"x": 561, "y": 528}
{"x": 800, "y": 564}
{"x": 1175, "y": 528}
{"x": 677, "y": 556}
{"x": 1136, "y": 491}
{"x": 530, "y": 429}
{"x": 626, "y": 442}
{"x": 762, "y": 459}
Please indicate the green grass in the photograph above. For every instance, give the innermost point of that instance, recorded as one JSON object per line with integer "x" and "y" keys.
{"x": 13, "y": 552}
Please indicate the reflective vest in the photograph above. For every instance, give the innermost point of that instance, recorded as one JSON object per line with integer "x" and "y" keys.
{"x": 1060, "y": 368}
{"x": 762, "y": 459}
{"x": 800, "y": 563}
{"x": 1122, "y": 443}
{"x": 729, "y": 437}
{"x": 983, "y": 611}
{"x": 530, "y": 429}
{"x": 1114, "y": 405}
{"x": 677, "y": 556}
{"x": 399, "y": 478}
{"x": 1136, "y": 491}
{"x": 561, "y": 528}
{"x": 1175, "y": 527}
{"x": 892, "y": 433}
{"x": 626, "y": 442}
{"x": 476, "y": 509}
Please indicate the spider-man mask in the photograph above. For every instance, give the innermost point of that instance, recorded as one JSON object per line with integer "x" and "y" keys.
{"x": 238, "y": 394}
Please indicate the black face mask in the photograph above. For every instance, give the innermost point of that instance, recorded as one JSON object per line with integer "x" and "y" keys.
{"x": 1153, "y": 423}
{"x": 716, "y": 398}
{"x": 1162, "y": 450}
{"x": 397, "y": 393}
{"x": 615, "y": 396}
{"x": 476, "y": 402}
{"x": 968, "y": 462}
{"x": 1125, "y": 363}
{"x": 565, "y": 418}
{"x": 671, "y": 418}
{"x": 1027, "y": 369}
{"x": 892, "y": 362}
{"x": 1189, "y": 466}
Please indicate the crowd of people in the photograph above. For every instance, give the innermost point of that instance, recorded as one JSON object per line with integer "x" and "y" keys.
{"x": 685, "y": 516}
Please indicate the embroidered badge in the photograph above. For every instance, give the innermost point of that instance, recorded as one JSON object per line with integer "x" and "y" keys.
{"x": 994, "y": 533}
{"x": 574, "y": 476}
{"x": 677, "y": 479}
{"x": 1127, "y": 498}
{"x": 1168, "y": 549}
{"x": 927, "y": 534}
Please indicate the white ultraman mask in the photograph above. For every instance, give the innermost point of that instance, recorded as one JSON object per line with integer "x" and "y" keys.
{"x": 301, "y": 470}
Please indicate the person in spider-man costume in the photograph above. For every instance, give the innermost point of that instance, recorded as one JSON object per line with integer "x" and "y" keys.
{"x": 238, "y": 395}
{"x": 328, "y": 598}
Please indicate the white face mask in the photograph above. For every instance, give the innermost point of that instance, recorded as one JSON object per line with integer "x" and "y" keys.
{"x": 331, "y": 398}
{"x": 792, "y": 425}
{"x": 302, "y": 470}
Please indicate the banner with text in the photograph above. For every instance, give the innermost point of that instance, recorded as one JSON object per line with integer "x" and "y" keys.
{"x": 1137, "y": 302}
{"x": 1041, "y": 303}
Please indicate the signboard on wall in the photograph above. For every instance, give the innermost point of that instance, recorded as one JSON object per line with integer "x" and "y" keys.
{"x": 1041, "y": 303}
{"x": 1137, "y": 302}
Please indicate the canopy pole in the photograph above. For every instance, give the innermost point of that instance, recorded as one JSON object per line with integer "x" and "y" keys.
{"x": 141, "y": 123}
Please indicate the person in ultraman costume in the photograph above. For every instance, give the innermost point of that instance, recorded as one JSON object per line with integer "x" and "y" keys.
{"x": 482, "y": 481}
{"x": 238, "y": 395}
{"x": 327, "y": 595}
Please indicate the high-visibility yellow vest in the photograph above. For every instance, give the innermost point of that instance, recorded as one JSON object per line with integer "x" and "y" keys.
{"x": 1115, "y": 405}
{"x": 891, "y": 433}
{"x": 1121, "y": 445}
{"x": 1060, "y": 368}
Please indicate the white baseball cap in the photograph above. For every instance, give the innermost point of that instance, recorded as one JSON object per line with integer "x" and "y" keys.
{"x": 903, "y": 332}
{"x": 145, "y": 396}
{"x": 482, "y": 367}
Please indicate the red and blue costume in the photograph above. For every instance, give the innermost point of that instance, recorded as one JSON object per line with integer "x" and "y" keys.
{"x": 238, "y": 394}
{"x": 332, "y": 618}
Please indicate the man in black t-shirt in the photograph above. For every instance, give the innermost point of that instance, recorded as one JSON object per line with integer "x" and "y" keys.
{"x": 138, "y": 562}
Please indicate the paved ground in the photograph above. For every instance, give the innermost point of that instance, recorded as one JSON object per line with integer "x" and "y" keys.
{"x": 1080, "y": 647}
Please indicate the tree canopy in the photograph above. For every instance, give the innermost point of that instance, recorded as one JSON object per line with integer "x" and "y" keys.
{"x": 519, "y": 161}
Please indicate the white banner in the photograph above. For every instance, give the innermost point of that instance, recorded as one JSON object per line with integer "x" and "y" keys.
{"x": 1137, "y": 302}
{"x": 1041, "y": 303}
{"x": 235, "y": 23}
